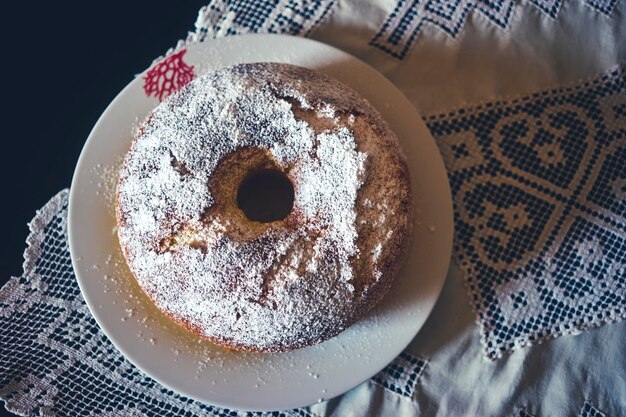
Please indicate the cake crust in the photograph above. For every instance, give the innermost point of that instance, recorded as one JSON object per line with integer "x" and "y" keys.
{"x": 273, "y": 286}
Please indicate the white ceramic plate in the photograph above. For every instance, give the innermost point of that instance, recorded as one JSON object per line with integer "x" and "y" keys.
{"x": 198, "y": 369}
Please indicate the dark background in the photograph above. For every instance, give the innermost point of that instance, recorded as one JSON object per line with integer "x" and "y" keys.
{"x": 62, "y": 65}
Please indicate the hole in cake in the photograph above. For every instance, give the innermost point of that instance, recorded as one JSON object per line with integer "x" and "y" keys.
{"x": 265, "y": 196}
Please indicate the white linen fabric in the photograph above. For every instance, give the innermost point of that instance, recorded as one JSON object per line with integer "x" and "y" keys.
{"x": 537, "y": 163}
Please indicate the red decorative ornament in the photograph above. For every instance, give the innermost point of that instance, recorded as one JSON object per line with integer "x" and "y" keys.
{"x": 168, "y": 76}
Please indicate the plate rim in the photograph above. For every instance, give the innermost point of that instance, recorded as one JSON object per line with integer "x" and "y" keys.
{"x": 74, "y": 195}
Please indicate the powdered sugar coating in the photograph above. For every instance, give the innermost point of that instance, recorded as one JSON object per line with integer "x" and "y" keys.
{"x": 294, "y": 282}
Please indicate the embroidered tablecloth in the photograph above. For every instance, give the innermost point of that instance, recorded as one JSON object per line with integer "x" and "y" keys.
{"x": 527, "y": 102}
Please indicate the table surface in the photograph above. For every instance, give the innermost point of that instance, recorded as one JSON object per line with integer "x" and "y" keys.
{"x": 63, "y": 64}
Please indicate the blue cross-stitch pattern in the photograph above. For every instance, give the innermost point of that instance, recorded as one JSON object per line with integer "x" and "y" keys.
{"x": 589, "y": 410}
{"x": 539, "y": 190}
{"x": 293, "y": 17}
{"x": 401, "y": 375}
{"x": 405, "y": 22}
